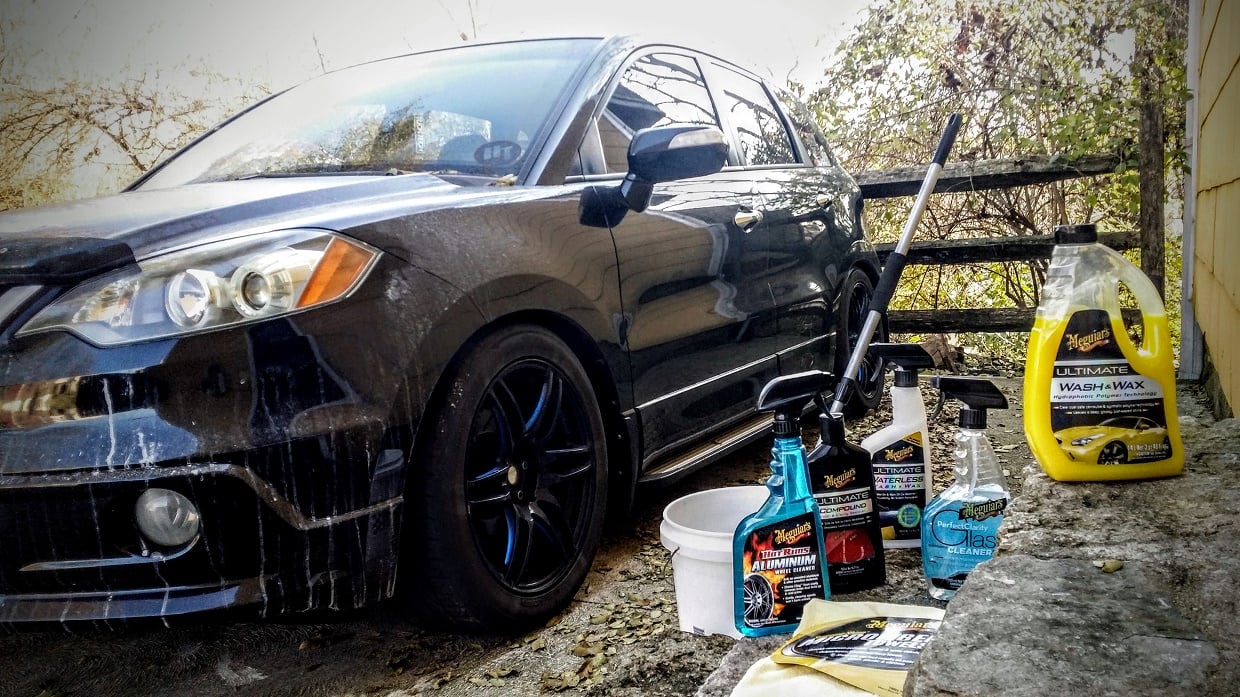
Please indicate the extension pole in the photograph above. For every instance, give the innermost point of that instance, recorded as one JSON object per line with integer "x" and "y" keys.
{"x": 895, "y": 266}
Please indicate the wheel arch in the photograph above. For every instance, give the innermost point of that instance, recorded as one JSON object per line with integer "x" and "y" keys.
{"x": 622, "y": 472}
{"x": 862, "y": 256}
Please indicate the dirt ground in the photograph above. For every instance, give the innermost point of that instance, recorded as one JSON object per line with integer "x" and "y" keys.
{"x": 620, "y": 636}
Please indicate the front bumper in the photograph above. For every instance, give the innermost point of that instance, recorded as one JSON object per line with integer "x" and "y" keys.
{"x": 280, "y": 432}
{"x": 73, "y": 551}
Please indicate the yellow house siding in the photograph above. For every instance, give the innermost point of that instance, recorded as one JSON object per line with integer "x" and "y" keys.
{"x": 1226, "y": 239}
{"x": 1205, "y": 229}
{"x": 1209, "y": 14}
{"x": 1216, "y": 266}
{"x": 1204, "y": 291}
{"x": 1220, "y": 37}
{"x": 1219, "y": 136}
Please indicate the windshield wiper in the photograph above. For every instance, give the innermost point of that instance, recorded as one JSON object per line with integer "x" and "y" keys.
{"x": 290, "y": 173}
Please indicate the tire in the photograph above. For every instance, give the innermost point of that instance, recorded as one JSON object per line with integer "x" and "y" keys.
{"x": 1113, "y": 453}
{"x": 507, "y": 494}
{"x": 855, "y": 296}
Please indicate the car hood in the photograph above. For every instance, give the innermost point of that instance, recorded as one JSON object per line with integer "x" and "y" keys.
{"x": 68, "y": 242}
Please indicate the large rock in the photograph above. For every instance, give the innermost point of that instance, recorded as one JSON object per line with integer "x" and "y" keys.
{"x": 1024, "y": 626}
{"x": 1042, "y": 619}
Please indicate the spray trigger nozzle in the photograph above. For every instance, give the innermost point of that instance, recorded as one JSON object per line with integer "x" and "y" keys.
{"x": 906, "y": 356}
{"x": 976, "y": 394}
{"x": 791, "y": 393}
{"x": 788, "y": 395}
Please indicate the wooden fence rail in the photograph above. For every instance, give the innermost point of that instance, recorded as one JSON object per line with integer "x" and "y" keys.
{"x": 982, "y": 250}
{"x": 985, "y": 174}
{"x": 977, "y": 176}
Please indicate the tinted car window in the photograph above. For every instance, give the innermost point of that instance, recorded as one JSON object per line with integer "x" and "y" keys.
{"x": 660, "y": 89}
{"x": 763, "y": 138}
{"x": 811, "y": 136}
{"x": 445, "y": 111}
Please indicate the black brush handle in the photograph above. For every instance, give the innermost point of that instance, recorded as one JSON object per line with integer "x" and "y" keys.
{"x": 948, "y": 139}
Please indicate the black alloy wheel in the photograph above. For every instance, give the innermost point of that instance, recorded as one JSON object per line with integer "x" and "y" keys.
{"x": 514, "y": 491}
{"x": 1113, "y": 453}
{"x": 528, "y": 476}
{"x": 855, "y": 296}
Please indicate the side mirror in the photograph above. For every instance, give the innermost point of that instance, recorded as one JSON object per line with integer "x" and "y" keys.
{"x": 668, "y": 153}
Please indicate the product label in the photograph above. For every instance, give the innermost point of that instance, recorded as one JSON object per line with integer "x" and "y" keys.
{"x": 781, "y": 572}
{"x": 891, "y": 643}
{"x": 1102, "y": 410}
{"x": 867, "y": 645}
{"x": 850, "y": 533}
{"x": 957, "y": 536}
{"x": 900, "y": 485}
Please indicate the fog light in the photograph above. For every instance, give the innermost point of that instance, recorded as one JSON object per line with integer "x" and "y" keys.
{"x": 166, "y": 517}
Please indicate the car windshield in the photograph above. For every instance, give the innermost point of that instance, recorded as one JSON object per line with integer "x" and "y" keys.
{"x": 472, "y": 110}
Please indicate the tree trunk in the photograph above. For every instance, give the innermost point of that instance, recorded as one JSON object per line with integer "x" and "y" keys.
{"x": 1151, "y": 157}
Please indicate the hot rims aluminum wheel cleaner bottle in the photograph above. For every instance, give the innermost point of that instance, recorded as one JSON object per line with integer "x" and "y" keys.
{"x": 778, "y": 564}
{"x": 1097, "y": 406}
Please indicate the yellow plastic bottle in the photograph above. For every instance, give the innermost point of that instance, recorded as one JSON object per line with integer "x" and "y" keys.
{"x": 1097, "y": 406}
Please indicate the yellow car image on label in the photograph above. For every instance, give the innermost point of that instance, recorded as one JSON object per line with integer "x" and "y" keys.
{"x": 1116, "y": 441}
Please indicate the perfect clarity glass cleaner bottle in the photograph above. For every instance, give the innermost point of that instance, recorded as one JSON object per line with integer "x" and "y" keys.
{"x": 1097, "y": 406}
{"x": 900, "y": 451}
{"x": 777, "y": 563}
{"x": 960, "y": 528}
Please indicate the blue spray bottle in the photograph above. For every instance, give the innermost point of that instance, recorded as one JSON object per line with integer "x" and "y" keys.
{"x": 778, "y": 563}
{"x": 960, "y": 527}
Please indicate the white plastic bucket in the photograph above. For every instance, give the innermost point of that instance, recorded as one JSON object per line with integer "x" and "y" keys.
{"x": 698, "y": 530}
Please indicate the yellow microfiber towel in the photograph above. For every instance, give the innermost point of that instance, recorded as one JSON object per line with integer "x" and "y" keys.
{"x": 845, "y": 650}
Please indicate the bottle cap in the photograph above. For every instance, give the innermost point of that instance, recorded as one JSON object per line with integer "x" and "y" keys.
{"x": 973, "y": 419}
{"x": 1076, "y": 234}
{"x": 785, "y": 426}
{"x": 831, "y": 428}
{"x": 906, "y": 377}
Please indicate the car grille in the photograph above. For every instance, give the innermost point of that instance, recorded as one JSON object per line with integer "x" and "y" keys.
{"x": 12, "y": 300}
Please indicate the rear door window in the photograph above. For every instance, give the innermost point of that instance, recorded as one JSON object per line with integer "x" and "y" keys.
{"x": 760, "y": 132}
{"x": 812, "y": 139}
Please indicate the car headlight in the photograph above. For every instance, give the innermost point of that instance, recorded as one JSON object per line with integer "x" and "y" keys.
{"x": 1087, "y": 439}
{"x": 209, "y": 287}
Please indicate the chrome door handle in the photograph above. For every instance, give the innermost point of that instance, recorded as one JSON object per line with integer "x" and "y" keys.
{"x": 823, "y": 201}
{"x": 747, "y": 220}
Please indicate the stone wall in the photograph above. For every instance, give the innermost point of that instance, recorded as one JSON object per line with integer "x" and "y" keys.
{"x": 1121, "y": 588}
